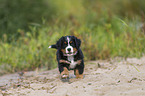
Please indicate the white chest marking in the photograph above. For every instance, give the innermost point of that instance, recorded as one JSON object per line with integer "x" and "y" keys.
{"x": 72, "y": 64}
{"x": 70, "y": 58}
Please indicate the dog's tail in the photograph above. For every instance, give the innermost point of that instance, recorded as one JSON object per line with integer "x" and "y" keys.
{"x": 53, "y": 46}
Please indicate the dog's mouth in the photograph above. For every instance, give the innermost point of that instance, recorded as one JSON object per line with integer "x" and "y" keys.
{"x": 70, "y": 53}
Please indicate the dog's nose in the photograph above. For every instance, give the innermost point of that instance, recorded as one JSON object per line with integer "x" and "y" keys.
{"x": 69, "y": 49}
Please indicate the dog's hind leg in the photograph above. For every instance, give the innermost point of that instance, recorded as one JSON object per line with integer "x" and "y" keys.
{"x": 78, "y": 71}
{"x": 78, "y": 75}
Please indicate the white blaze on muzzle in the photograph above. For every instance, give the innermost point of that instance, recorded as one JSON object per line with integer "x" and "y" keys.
{"x": 69, "y": 49}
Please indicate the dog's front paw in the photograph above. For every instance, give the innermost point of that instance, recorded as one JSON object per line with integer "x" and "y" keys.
{"x": 65, "y": 73}
{"x": 64, "y": 76}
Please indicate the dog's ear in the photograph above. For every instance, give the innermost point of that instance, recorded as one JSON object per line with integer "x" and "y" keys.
{"x": 59, "y": 42}
{"x": 77, "y": 42}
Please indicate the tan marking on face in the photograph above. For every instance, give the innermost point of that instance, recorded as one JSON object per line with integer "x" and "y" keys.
{"x": 70, "y": 42}
{"x": 74, "y": 49}
{"x": 63, "y": 50}
{"x": 78, "y": 75}
{"x": 64, "y": 72}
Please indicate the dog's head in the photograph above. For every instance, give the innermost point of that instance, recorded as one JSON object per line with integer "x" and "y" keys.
{"x": 68, "y": 45}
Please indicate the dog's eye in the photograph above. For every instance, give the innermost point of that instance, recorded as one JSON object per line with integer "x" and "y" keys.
{"x": 65, "y": 42}
{"x": 70, "y": 42}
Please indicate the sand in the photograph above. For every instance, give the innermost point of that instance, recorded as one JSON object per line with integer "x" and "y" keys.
{"x": 116, "y": 77}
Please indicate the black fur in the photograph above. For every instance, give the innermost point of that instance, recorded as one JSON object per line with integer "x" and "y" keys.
{"x": 60, "y": 56}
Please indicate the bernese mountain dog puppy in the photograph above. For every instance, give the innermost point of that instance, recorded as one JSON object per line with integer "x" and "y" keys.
{"x": 69, "y": 56}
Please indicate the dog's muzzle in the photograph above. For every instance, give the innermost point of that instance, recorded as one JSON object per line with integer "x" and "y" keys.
{"x": 69, "y": 51}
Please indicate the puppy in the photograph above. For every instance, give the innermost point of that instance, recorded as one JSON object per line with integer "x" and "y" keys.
{"x": 69, "y": 56}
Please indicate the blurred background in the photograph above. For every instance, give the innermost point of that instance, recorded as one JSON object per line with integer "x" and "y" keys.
{"x": 107, "y": 28}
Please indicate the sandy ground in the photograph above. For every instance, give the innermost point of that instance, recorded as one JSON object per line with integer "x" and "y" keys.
{"x": 117, "y": 77}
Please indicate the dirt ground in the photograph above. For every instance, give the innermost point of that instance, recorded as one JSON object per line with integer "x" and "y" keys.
{"x": 117, "y": 77}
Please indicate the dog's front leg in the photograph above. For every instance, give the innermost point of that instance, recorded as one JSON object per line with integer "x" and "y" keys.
{"x": 64, "y": 73}
{"x": 64, "y": 61}
{"x": 63, "y": 70}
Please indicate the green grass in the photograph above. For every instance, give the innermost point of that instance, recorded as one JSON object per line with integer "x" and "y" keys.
{"x": 104, "y": 34}
{"x": 98, "y": 42}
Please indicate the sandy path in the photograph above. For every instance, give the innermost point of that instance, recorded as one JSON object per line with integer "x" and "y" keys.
{"x": 102, "y": 78}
